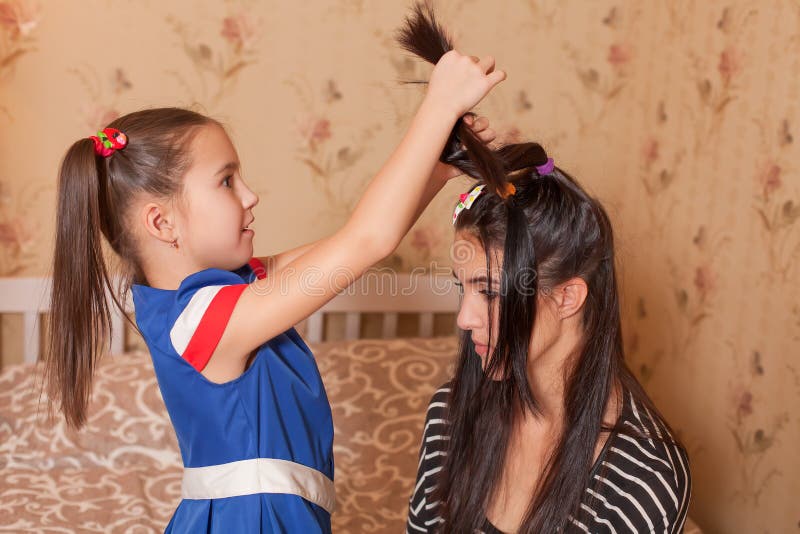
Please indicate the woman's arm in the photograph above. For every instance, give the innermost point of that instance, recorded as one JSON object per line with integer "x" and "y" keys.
{"x": 423, "y": 511}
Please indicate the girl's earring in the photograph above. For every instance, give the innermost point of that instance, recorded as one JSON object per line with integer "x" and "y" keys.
{"x": 174, "y": 244}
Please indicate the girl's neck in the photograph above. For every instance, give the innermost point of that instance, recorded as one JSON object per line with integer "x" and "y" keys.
{"x": 165, "y": 267}
{"x": 167, "y": 276}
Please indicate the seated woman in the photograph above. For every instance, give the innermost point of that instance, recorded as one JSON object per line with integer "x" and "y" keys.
{"x": 543, "y": 428}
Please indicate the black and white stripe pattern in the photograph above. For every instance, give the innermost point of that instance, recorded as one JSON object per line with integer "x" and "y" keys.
{"x": 636, "y": 485}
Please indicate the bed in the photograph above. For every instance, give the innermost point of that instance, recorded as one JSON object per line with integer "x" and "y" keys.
{"x": 122, "y": 472}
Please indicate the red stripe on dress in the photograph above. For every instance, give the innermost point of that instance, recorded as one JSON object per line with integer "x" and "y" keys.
{"x": 209, "y": 331}
{"x": 258, "y": 268}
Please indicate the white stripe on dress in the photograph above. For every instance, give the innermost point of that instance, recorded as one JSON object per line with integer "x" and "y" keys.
{"x": 612, "y": 507}
{"x": 628, "y": 496}
{"x": 579, "y": 524}
{"x": 644, "y": 486}
{"x": 648, "y": 468}
{"x": 433, "y": 422}
{"x": 437, "y": 405}
{"x": 434, "y": 454}
{"x": 415, "y": 527}
{"x": 187, "y": 322}
{"x": 419, "y": 506}
{"x": 599, "y": 519}
{"x": 424, "y": 476}
{"x": 258, "y": 475}
{"x": 670, "y": 450}
{"x": 644, "y": 428}
{"x": 642, "y": 450}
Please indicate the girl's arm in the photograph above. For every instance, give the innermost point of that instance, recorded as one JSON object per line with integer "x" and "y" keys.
{"x": 441, "y": 174}
{"x": 381, "y": 218}
{"x": 281, "y": 260}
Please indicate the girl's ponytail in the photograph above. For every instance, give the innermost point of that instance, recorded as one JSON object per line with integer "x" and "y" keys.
{"x": 146, "y": 153}
{"x": 80, "y": 325}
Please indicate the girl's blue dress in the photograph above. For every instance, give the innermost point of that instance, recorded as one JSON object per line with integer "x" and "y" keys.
{"x": 276, "y": 409}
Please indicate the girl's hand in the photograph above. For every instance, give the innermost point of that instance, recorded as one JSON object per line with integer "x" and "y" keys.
{"x": 459, "y": 82}
{"x": 480, "y": 127}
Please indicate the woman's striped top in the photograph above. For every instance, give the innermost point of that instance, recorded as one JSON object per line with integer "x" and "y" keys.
{"x": 636, "y": 485}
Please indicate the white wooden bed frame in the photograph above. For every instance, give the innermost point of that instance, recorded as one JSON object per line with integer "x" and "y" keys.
{"x": 385, "y": 293}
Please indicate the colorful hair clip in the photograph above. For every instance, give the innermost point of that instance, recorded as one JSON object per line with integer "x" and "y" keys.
{"x": 546, "y": 168}
{"x": 108, "y": 140}
{"x": 465, "y": 200}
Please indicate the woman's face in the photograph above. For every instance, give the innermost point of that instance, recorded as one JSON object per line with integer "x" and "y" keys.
{"x": 217, "y": 203}
{"x": 480, "y": 301}
{"x": 478, "y": 313}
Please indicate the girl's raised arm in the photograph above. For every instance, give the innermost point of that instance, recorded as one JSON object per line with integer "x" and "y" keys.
{"x": 441, "y": 174}
{"x": 383, "y": 215}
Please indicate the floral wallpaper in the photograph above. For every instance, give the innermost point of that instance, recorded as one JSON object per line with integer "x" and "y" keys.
{"x": 681, "y": 116}
{"x": 18, "y": 24}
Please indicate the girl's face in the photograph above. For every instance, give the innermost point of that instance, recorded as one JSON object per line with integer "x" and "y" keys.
{"x": 217, "y": 205}
{"x": 480, "y": 301}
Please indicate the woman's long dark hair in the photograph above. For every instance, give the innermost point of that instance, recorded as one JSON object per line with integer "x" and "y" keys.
{"x": 549, "y": 231}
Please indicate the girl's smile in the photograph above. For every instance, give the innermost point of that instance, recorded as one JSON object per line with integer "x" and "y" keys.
{"x": 247, "y": 230}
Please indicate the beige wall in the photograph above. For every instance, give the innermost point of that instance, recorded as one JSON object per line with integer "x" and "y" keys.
{"x": 682, "y": 116}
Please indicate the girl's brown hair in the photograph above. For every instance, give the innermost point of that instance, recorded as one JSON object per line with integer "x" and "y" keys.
{"x": 95, "y": 197}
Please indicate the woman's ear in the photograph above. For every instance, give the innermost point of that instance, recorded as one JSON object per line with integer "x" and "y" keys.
{"x": 570, "y": 297}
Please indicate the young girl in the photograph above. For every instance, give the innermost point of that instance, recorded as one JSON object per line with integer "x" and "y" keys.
{"x": 241, "y": 388}
{"x": 543, "y": 428}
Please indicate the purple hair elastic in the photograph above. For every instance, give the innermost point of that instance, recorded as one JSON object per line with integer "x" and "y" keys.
{"x": 546, "y": 168}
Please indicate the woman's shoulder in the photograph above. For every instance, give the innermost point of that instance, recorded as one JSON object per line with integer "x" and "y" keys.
{"x": 442, "y": 393}
{"x": 645, "y": 436}
{"x": 438, "y": 403}
{"x": 436, "y": 414}
{"x": 644, "y": 470}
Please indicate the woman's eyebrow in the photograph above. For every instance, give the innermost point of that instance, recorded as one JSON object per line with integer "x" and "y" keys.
{"x": 480, "y": 279}
{"x": 228, "y": 167}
